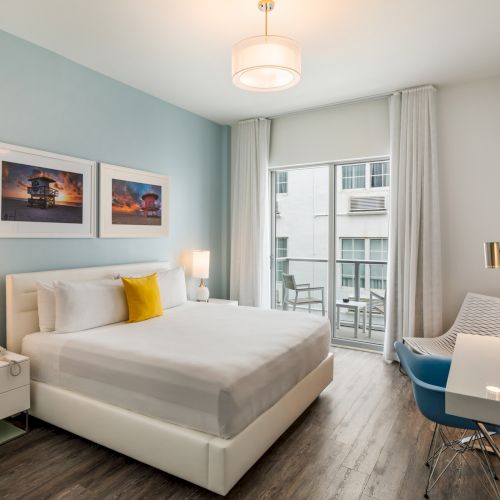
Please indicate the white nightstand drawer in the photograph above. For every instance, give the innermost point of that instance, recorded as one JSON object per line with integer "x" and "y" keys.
{"x": 8, "y": 381}
{"x": 14, "y": 401}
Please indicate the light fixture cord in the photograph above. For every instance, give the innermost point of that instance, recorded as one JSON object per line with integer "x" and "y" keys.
{"x": 267, "y": 10}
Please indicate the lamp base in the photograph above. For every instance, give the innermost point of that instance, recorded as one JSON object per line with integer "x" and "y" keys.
{"x": 202, "y": 294}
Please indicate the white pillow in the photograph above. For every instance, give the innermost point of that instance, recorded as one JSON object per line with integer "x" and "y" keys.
{"x": 89, "y": 304}
{"x": 46, "y": 300}
{"x": 172, "y": 284}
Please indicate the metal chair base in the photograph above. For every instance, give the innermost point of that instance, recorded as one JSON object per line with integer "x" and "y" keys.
{"x": 465, "y": 446}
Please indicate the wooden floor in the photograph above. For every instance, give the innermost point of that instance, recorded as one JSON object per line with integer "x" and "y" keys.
{"x": 362, "y": 439}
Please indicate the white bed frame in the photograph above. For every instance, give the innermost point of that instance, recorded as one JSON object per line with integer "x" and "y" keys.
{"x": 208, "y": 461}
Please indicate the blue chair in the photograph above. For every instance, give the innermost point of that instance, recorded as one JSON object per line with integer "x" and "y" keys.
{"x": 428, "y": 375}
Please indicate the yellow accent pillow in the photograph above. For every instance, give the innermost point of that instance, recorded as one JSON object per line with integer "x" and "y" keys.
{"x": 143, "y": 298}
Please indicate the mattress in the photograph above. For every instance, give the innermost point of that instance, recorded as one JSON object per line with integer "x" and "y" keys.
{"x": 209, "y": 367}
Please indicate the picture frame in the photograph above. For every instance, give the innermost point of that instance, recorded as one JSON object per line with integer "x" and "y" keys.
{"x": 46, "y": 195}
{"x": 133, "y": 203}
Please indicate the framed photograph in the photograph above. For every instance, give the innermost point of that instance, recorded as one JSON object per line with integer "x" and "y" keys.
{"x": 46, "y": 195}
{"x": 133, "y": 203}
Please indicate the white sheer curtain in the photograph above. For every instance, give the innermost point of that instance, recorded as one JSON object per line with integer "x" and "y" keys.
{"x": 249, "y": 279}
{"x": 414, "y": 294}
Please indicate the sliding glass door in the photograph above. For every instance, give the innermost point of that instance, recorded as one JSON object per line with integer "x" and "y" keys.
{"x": 300, "y": 222}
{"x": 362, "y": 230}
{"x": 330, "y": 229}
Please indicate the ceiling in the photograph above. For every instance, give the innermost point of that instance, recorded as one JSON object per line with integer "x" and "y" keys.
{"x": 180, "y": 51}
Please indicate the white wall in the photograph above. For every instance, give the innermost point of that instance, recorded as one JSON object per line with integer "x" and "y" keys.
{"x": 469, "y": 162}
{"x": 342, "y": 132}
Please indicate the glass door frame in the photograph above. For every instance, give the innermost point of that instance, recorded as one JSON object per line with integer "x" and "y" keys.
{"x": 330, "y": 306}
{"x": 332, "y": 243}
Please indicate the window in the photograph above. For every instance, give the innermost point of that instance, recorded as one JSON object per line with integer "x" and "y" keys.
{"x": 353, "y": 248}
{"x": 378, "y": 272}
{"x": 378, "y": 249}
{"x": 282, "y": 247}
{"x": 281, "y": 251}
{"x": 353, "y": 176}
{"x": 380, "y": 174}
{"x": 282, "y": 182}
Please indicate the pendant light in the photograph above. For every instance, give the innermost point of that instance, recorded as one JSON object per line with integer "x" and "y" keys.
{"x": 266, "y": 63}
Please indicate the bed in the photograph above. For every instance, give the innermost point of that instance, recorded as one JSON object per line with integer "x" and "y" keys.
{"x": 201, "y": 392}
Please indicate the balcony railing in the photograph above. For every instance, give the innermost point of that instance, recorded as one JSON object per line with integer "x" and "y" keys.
{"x": 317, "y": 275}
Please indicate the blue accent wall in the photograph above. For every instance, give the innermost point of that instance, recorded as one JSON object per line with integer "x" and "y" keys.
{"x": 50, "y": 103}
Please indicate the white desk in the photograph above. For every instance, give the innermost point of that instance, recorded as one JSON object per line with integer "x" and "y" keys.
{"x": 474, "y": 367}
{"x": 357, "y": 307}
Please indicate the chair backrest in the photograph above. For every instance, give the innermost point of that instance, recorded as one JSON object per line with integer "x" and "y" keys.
{"x": 377, "y": 301}
{"x": 431, "y": 370}
{"x": 479, "y": 315}
{"x": 289, "y": 281}
{"x": 429, "y": 375}
{"x": 378, "y": 295}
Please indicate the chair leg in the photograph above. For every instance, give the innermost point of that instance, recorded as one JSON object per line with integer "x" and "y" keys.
{"x": 486, "y": 467}
{"x": 461, "y": 446}
{"x": 370, "y": 318}
{"x": 428, "y": 486}
{"x": 488, "y": 438}
{"x": 490, "y": 467}
{"x": 431, "y": 446}
{"x": 356, "y": 322}
{"x": 430, "y": 482}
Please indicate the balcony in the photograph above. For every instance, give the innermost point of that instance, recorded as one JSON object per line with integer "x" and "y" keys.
{"x": 353, "y": 287}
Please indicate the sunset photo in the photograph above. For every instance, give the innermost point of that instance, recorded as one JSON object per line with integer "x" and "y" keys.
{"x": 35, "y": 194}
{"x": 135, "y": 203}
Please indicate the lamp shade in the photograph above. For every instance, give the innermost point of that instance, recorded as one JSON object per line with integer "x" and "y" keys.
{"x": 266, "y": 63}
{"x": 201, "y": 263}
{"x": 492, "y": 254}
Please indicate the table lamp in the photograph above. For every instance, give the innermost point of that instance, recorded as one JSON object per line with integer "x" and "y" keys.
{"x": 201, "y": 264}
{"x": 492, "y": 255}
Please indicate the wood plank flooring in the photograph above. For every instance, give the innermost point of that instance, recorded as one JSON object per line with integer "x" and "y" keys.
{"x": 362, "y": 439}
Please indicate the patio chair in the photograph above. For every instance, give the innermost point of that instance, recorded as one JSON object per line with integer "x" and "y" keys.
{"x": 479, "y": 315}
{"x": 301, "y": 289}
{"x": 376, "y": 305}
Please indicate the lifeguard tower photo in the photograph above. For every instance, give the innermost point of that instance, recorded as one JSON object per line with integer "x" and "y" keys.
{"x": 135, "y": 203}
{"x": 42, "y": 195}
{"x": 31, "y": 194}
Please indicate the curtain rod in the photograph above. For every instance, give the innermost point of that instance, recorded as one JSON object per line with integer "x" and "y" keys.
{"x": 333, "y": 104}
{"x": 352, "y": 101}
{"x": 372, "y": 97}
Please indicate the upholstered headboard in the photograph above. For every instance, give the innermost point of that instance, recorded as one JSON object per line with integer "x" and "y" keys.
{"x": 22, "y": 311}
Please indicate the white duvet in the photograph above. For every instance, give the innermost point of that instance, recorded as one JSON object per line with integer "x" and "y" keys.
{"x": 214, "y": 368}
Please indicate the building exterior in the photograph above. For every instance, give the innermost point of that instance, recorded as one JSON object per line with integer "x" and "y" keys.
{"x": 362, "y": 225}
{"x": 362, "y": 208}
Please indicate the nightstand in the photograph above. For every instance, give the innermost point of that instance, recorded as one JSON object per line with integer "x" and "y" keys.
{"x": 14, "y": 393}
{"x": 224, "y": 302}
